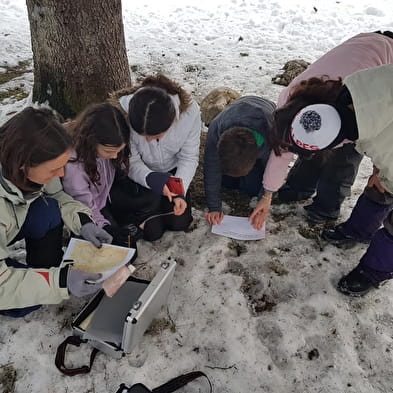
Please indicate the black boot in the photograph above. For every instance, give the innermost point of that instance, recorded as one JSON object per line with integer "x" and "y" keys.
{"x": 339, "y": 238}
{"x": 355, "y": 283}
{"x": 45, "y": 252}
{"x": 362, "y": 280}
{"x": 287, "y": 194}
{"x": 314, "y": 216}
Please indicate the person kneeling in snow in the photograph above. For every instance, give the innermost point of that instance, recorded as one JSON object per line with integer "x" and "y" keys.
{"x": 236, "y": 151}
{"x": 34, "y": 148}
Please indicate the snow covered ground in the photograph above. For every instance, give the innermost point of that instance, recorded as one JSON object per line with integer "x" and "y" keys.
{"x": 255, "y": 316}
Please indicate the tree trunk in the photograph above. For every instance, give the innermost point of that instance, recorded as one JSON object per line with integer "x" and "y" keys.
{"x": 78, "y": 51}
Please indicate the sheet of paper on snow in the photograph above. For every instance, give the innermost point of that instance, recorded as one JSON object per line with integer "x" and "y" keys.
{"x": 105, "y": 260}
{"x": 238, "y": 228}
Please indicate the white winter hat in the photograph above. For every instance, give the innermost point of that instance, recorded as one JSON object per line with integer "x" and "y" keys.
{"x": 315, "y": 126}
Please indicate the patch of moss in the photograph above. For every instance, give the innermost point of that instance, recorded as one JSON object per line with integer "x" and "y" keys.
{"x": 7, "y": 378}
{"x": 159, "y": 325}
{"x": 13, "y": 72}
{"x": 309, "y": 232}
{"x": 237, "y": 248}
{"x": 16, "y": 92}
{"x": 277, "y": 267}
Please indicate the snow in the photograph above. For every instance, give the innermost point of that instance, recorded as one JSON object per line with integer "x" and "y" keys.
{"x": 312, "y": 339}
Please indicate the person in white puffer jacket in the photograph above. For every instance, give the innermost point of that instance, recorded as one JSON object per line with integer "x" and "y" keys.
{"x": 165, "y": 136}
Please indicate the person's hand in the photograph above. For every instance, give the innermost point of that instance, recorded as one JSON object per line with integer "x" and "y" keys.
{"x": 180, "y": 206}
{"x": 95, "y": 234}
{"x": 374, "y": 181}
{"x": 167, "y": 193}
{"x": 261, "y": 212}
{"x": 214, "y": 218}
{"x": 80, "y": 283}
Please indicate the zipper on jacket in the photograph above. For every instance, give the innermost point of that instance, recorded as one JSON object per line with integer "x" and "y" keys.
{"x": 159, "y": 151}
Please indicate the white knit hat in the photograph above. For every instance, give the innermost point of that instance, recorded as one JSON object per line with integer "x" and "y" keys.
{"x": 315, "y": 127}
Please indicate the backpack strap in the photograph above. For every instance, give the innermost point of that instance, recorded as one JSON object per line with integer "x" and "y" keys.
{"x": 180, "y": 381}
{"x": 60, "y": 357}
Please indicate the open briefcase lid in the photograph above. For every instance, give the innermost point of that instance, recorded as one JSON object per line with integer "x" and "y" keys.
{"x": 116, "y": 325}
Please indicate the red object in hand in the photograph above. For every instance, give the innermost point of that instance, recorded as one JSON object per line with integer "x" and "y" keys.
{"x": 175, "y": 185}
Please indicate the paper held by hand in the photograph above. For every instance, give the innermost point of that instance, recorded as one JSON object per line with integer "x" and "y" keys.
{"x": 239, "y": 228}
{"x": 105, "y": 260}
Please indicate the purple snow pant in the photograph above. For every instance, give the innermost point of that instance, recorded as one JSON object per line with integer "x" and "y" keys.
{"x": 371, "y": 210}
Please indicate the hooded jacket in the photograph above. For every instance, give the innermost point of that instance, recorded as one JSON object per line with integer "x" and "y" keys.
{"x": 178, "y": 148}
{"x": 28, "y": 287}
{"x": 251, "y": 112}
{"x": 363, "y": 51}
{"x": 372, "y": 95}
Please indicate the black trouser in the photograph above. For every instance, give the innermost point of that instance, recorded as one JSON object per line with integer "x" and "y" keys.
{"x": 331, "y": 177}
{"x": 133, "y": 203}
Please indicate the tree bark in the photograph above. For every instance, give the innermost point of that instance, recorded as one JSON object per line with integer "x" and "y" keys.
{"x": 79, "y": 52}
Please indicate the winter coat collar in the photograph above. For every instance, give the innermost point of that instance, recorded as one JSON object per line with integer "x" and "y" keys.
{"x": 11, "y": 192}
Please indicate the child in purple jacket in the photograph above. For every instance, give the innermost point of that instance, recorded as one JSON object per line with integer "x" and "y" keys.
{"x": 101, "y": 149}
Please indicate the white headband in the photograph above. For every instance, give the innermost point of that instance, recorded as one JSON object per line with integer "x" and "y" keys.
{"x": 315, "y": 127}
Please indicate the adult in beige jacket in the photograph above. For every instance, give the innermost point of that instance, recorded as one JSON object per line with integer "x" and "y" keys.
{"x": 34, "y": 149}
{"x": 365, "y": 119}
{"x": 372, "y": 96}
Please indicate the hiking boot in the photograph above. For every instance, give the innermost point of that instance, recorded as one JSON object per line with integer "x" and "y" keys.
{"x": 287, "y": 194}
{"x": 315, "y": 217}
{"x": 358, "y": 283}
{"x": 339, "y": 238}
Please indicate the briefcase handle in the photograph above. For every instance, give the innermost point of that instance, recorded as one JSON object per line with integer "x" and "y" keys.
{"x": 60, "y": 357}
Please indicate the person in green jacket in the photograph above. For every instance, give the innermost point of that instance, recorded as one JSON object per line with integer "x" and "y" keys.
{"x": 34, "y": 148}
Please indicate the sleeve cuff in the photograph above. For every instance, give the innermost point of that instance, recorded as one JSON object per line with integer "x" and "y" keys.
{"x": 157, "y": 180}
{"x": 84, "y": 218}
{"x": 63, "y": 277}
{"x": 180, "y": 196}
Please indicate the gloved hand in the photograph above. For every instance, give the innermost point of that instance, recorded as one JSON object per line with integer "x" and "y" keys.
{"x": 78, "y": 282}
{"x": 95, "y": 234}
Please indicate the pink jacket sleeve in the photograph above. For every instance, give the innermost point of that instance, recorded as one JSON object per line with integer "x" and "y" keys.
{"x": 276, "y": 170}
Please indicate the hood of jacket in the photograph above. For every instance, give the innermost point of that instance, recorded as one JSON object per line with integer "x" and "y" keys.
{"x": 9, "y": 191}
{"x": 372, "y": 95}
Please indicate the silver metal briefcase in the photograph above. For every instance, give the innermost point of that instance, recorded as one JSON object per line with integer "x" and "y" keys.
{"x": 116, "y": 325}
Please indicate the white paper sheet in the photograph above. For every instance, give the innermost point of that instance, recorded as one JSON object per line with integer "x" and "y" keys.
{"x": 105, "y": 260}
{"x": 238, "y": 228}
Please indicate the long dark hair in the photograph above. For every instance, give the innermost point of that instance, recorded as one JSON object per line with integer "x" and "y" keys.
{"x": 105, "y": 125}
{"x": 151, "y": 110}
{"x": 307, "y": 92}
{"x": 30, "y": 138}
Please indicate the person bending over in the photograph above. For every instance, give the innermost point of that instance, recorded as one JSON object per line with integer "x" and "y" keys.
{"x": 236, "y": 152}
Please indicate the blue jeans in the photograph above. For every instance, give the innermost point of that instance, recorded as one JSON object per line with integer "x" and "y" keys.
{"x": 43, "y": 218}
